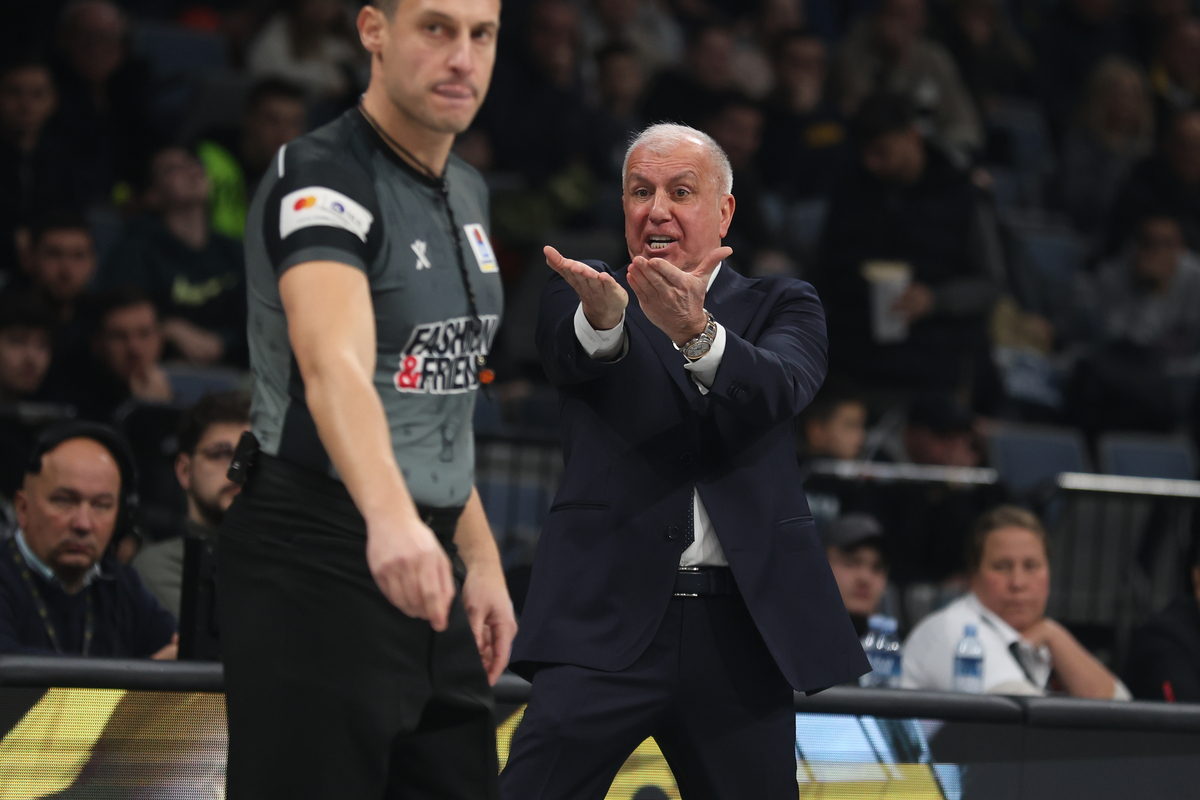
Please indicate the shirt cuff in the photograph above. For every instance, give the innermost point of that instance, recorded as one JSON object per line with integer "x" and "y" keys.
{"x": 704, "y": 369}
{"x": 609, "y": 345}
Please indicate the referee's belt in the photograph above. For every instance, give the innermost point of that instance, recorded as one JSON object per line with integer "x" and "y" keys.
{"x": 704, "y": 582}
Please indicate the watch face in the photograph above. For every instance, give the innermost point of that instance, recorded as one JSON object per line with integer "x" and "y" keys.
{"x": 697, "y": 350}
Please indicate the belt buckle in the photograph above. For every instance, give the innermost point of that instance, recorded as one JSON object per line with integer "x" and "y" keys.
{"x": 694, "y": 570}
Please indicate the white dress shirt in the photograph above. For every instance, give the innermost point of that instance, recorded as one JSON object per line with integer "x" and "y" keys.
{"x": 1021, "y": 670}
{"x": 612, "y": 345}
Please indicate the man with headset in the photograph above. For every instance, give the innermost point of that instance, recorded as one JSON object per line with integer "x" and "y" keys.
{"x": 58, "y": 591}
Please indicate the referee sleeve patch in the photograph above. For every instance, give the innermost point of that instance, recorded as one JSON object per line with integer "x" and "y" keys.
{"x": 322, "y": 206}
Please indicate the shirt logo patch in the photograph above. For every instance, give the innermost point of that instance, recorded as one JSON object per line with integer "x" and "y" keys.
{"x": 319, "y": 205}
{"x": 443, "y": 357}
{"x": 482, "y": 248}
{"x": 418, "y": 247}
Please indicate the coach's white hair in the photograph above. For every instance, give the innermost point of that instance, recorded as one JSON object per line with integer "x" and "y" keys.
{"x": 662, "y": 138}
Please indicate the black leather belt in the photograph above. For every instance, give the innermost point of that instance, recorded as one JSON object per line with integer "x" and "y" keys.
{"x": 704, "y": 582}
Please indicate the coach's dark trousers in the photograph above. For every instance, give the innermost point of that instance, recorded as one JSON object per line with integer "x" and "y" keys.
{"x": 706, "y": 689}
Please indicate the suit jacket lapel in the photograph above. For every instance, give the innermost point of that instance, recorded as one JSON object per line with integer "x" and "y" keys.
{"x": 733, "y": 300}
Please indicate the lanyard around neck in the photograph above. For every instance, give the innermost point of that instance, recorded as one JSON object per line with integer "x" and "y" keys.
{"x": 89, "y": 626}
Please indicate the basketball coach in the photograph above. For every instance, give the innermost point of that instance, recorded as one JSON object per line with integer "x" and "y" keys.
{"x": 679, "y": 589}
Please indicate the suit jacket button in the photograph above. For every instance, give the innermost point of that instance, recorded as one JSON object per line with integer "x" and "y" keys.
{"x": 673, "y": 532}
{"x": 686, "y": 459}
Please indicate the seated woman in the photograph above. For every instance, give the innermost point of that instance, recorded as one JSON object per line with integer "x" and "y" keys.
{"x": 1023, "y": 648}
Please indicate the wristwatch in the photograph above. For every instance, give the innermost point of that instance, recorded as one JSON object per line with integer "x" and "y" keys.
{"x": 698, "y": 347}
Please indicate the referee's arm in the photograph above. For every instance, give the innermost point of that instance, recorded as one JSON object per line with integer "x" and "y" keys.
{"x": 331, "y": 326}
{"x": 485, "y": 592}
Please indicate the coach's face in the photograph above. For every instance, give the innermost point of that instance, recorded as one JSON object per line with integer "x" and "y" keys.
{"x": 436, "y": 57}
{"x": 675, "y": 208}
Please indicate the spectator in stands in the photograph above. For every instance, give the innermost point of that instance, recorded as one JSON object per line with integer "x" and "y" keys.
{"x": 1164, "y": 654}
{"x": 37, "y": 166}
{"x": 939, "y": 431}
{"x": 888, "y": 51}
{"x": 995, "y": 63}
{"x": 1113, "y": 132}
{"x": 1023, "y": 648}
{"x": 236, "y": 159}
{"x": 621, "y": 82}
{"x": 1077, "y": 35}
{"x": 835, "y": 423}
{"x": 1149, "y": 296}
{"x": 126, "y": 345}
{"x": 1168, "y": 181}
{"x": 907, "y": 202}
{"x": 208, "y": 435}
{"x": 313, "y": 44}
{"x": 690, "y": 94}
{"x": 26, "y": 340}
{"x": 26, "y": 344}
{"x": 736, "y": 125}
{"x": 1140, "y": 313}
{"x": 104, "y": 96}
{"x": 854, "y": 544}
{"x": 534, "y": 115}
{"x": 805, "y": 147}
{"x": 1175, "y": 72}
{"x": 646, "y": 29}
{"x": 62, "y": 262}
{"x": 59, "y": 593}
{"x": 195, "y": 277}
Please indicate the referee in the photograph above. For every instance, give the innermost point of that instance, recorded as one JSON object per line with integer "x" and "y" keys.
{"x": 353, "y": 666}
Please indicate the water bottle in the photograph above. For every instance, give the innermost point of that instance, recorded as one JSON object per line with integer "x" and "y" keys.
{"x": 968, "y": 663}
{"x": 883, "y": 652}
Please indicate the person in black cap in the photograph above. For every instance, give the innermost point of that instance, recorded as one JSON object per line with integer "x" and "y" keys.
{"x": 59, "y": 593}
{"x": 941, "y": 431}
{"x": 854, "y": 544}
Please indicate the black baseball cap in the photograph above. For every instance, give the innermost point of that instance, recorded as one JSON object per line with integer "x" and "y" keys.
{"x": 853, "y": 530}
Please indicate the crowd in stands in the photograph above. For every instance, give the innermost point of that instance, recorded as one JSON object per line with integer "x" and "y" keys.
{"x": 997, "y": 200}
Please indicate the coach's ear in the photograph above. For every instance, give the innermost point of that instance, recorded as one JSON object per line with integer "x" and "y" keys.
{"x": 372, "y": 28}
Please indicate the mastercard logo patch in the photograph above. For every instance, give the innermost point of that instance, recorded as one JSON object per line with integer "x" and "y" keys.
{"x": 305, "y": 202}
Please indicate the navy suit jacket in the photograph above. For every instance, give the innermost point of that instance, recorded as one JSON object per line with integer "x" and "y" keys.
{"x": 637, "y": 437}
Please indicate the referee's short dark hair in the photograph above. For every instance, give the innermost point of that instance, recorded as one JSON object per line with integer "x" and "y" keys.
{"x": 883, "y": 113}
{"x": 232, "y": 408}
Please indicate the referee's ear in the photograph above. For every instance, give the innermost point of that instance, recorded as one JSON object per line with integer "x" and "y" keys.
{"x": 372, "y": 28}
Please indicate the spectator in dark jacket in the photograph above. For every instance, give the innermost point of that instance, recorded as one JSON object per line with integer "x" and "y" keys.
{"x": 1164, "y": 660}
{"x": 38, "y": 167}
{"x": 805, "y": 147}
{"x": 909, "y": 207}
{"x": 1167, "y": 181}
{"x": 58, "y": 592}
{"x": 195, "y": 277}
{"x": 1114, "y": 131}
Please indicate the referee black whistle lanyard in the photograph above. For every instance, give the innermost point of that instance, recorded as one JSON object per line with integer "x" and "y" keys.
{"x": 89, "y": 626}
{"x": 486, "y": 376}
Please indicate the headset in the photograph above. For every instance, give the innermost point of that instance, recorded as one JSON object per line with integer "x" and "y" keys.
{"x": 118, "y": 448}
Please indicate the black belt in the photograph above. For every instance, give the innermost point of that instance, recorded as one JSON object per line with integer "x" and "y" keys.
{"x": 704, "y": 582}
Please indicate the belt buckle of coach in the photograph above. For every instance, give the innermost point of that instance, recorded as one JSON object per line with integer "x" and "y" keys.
{"x": 686, "y": 594}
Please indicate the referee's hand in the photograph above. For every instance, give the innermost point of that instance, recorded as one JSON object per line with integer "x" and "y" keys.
{"x": 411, "y": 569}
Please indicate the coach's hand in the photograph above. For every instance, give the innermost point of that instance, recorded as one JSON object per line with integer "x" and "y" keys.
{"x": 490, "y": 612}
{"x": 671, "y": 298}
{"x": 603, "y": 298}
{"x": 411, "y": 569}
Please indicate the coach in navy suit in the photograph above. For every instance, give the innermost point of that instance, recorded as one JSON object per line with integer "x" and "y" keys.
{"x": 679, "y": 589}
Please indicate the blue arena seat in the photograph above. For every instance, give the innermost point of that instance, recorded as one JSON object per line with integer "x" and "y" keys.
{"x": 192, "y": 383}
{"x": 1029, "y": 456}
{"x": 1045, "y": 261}
{"x": 1146, "y": 456}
